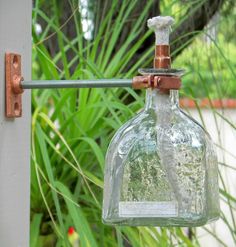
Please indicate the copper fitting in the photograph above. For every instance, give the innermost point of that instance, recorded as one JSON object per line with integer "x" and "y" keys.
{"x": 164, "y": 83}
{"x": 162, "y": 58}
{"x": 16, "y": 84}
{"x": 142, "y": 81}
{"x": 167, "y": 82}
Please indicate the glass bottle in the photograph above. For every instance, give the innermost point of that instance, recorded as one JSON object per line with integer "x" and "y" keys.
{"x": 161, "y": 168}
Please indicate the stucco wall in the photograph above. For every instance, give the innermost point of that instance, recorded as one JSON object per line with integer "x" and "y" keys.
{"x": 15, "y": 36}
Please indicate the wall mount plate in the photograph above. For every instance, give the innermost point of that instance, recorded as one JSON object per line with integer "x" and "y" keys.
{"x": 13, "y": 92}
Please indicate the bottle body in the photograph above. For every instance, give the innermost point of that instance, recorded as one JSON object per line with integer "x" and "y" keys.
{"x": 161, "y": 169}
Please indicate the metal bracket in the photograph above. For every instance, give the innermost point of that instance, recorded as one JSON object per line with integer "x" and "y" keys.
{"x": 13, "y": 90}
{"x": 15, "y": 83}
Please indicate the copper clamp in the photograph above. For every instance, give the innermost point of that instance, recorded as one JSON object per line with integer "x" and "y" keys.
{"x": 156, "y": 81}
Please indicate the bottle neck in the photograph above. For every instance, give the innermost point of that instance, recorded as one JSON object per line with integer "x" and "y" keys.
{"x": 156, "y": 100}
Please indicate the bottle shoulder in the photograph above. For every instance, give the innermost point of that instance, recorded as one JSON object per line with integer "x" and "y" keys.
{"x": 147, "y": 127}
{"x": 149, "y": 119}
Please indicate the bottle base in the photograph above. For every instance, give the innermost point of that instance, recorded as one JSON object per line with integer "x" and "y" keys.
{"x": 165, "y": 222}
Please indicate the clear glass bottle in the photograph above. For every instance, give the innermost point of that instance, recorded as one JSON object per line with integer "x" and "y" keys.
{"x": 161, "y": 168}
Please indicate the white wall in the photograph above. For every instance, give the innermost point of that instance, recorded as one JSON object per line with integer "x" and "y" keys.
{"x": 223, "y": 135}
{"x": 15, "y": 36}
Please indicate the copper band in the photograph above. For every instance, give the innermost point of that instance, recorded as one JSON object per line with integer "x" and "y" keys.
{"x": 164, "y": 83}
{"x": 162, "y": 58}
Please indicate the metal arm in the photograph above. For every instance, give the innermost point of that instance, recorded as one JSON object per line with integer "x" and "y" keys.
{"x": 15, "y": 84}
{"x": 99, "y": 83}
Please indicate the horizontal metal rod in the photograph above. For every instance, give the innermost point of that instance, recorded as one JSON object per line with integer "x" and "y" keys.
{"x": 99, "y": 83}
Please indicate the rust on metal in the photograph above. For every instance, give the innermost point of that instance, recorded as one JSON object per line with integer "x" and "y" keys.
{"x": 164, "y": 83}
{"x": 13, "y": 85}
{"x": 162, "y": 58}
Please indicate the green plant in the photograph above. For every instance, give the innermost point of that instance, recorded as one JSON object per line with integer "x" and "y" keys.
{"x": 71, "y": 129}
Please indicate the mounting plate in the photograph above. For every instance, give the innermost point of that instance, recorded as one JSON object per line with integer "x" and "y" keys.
{"x": 12, "y": 79}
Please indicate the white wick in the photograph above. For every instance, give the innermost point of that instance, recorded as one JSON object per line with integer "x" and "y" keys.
{"x": 161, "y": 26}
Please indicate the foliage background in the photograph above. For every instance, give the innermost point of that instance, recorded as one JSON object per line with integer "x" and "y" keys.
{"x": 71, "y": 129}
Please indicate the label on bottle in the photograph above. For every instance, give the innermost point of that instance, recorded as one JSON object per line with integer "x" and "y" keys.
{"x": 148, "y": 209}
